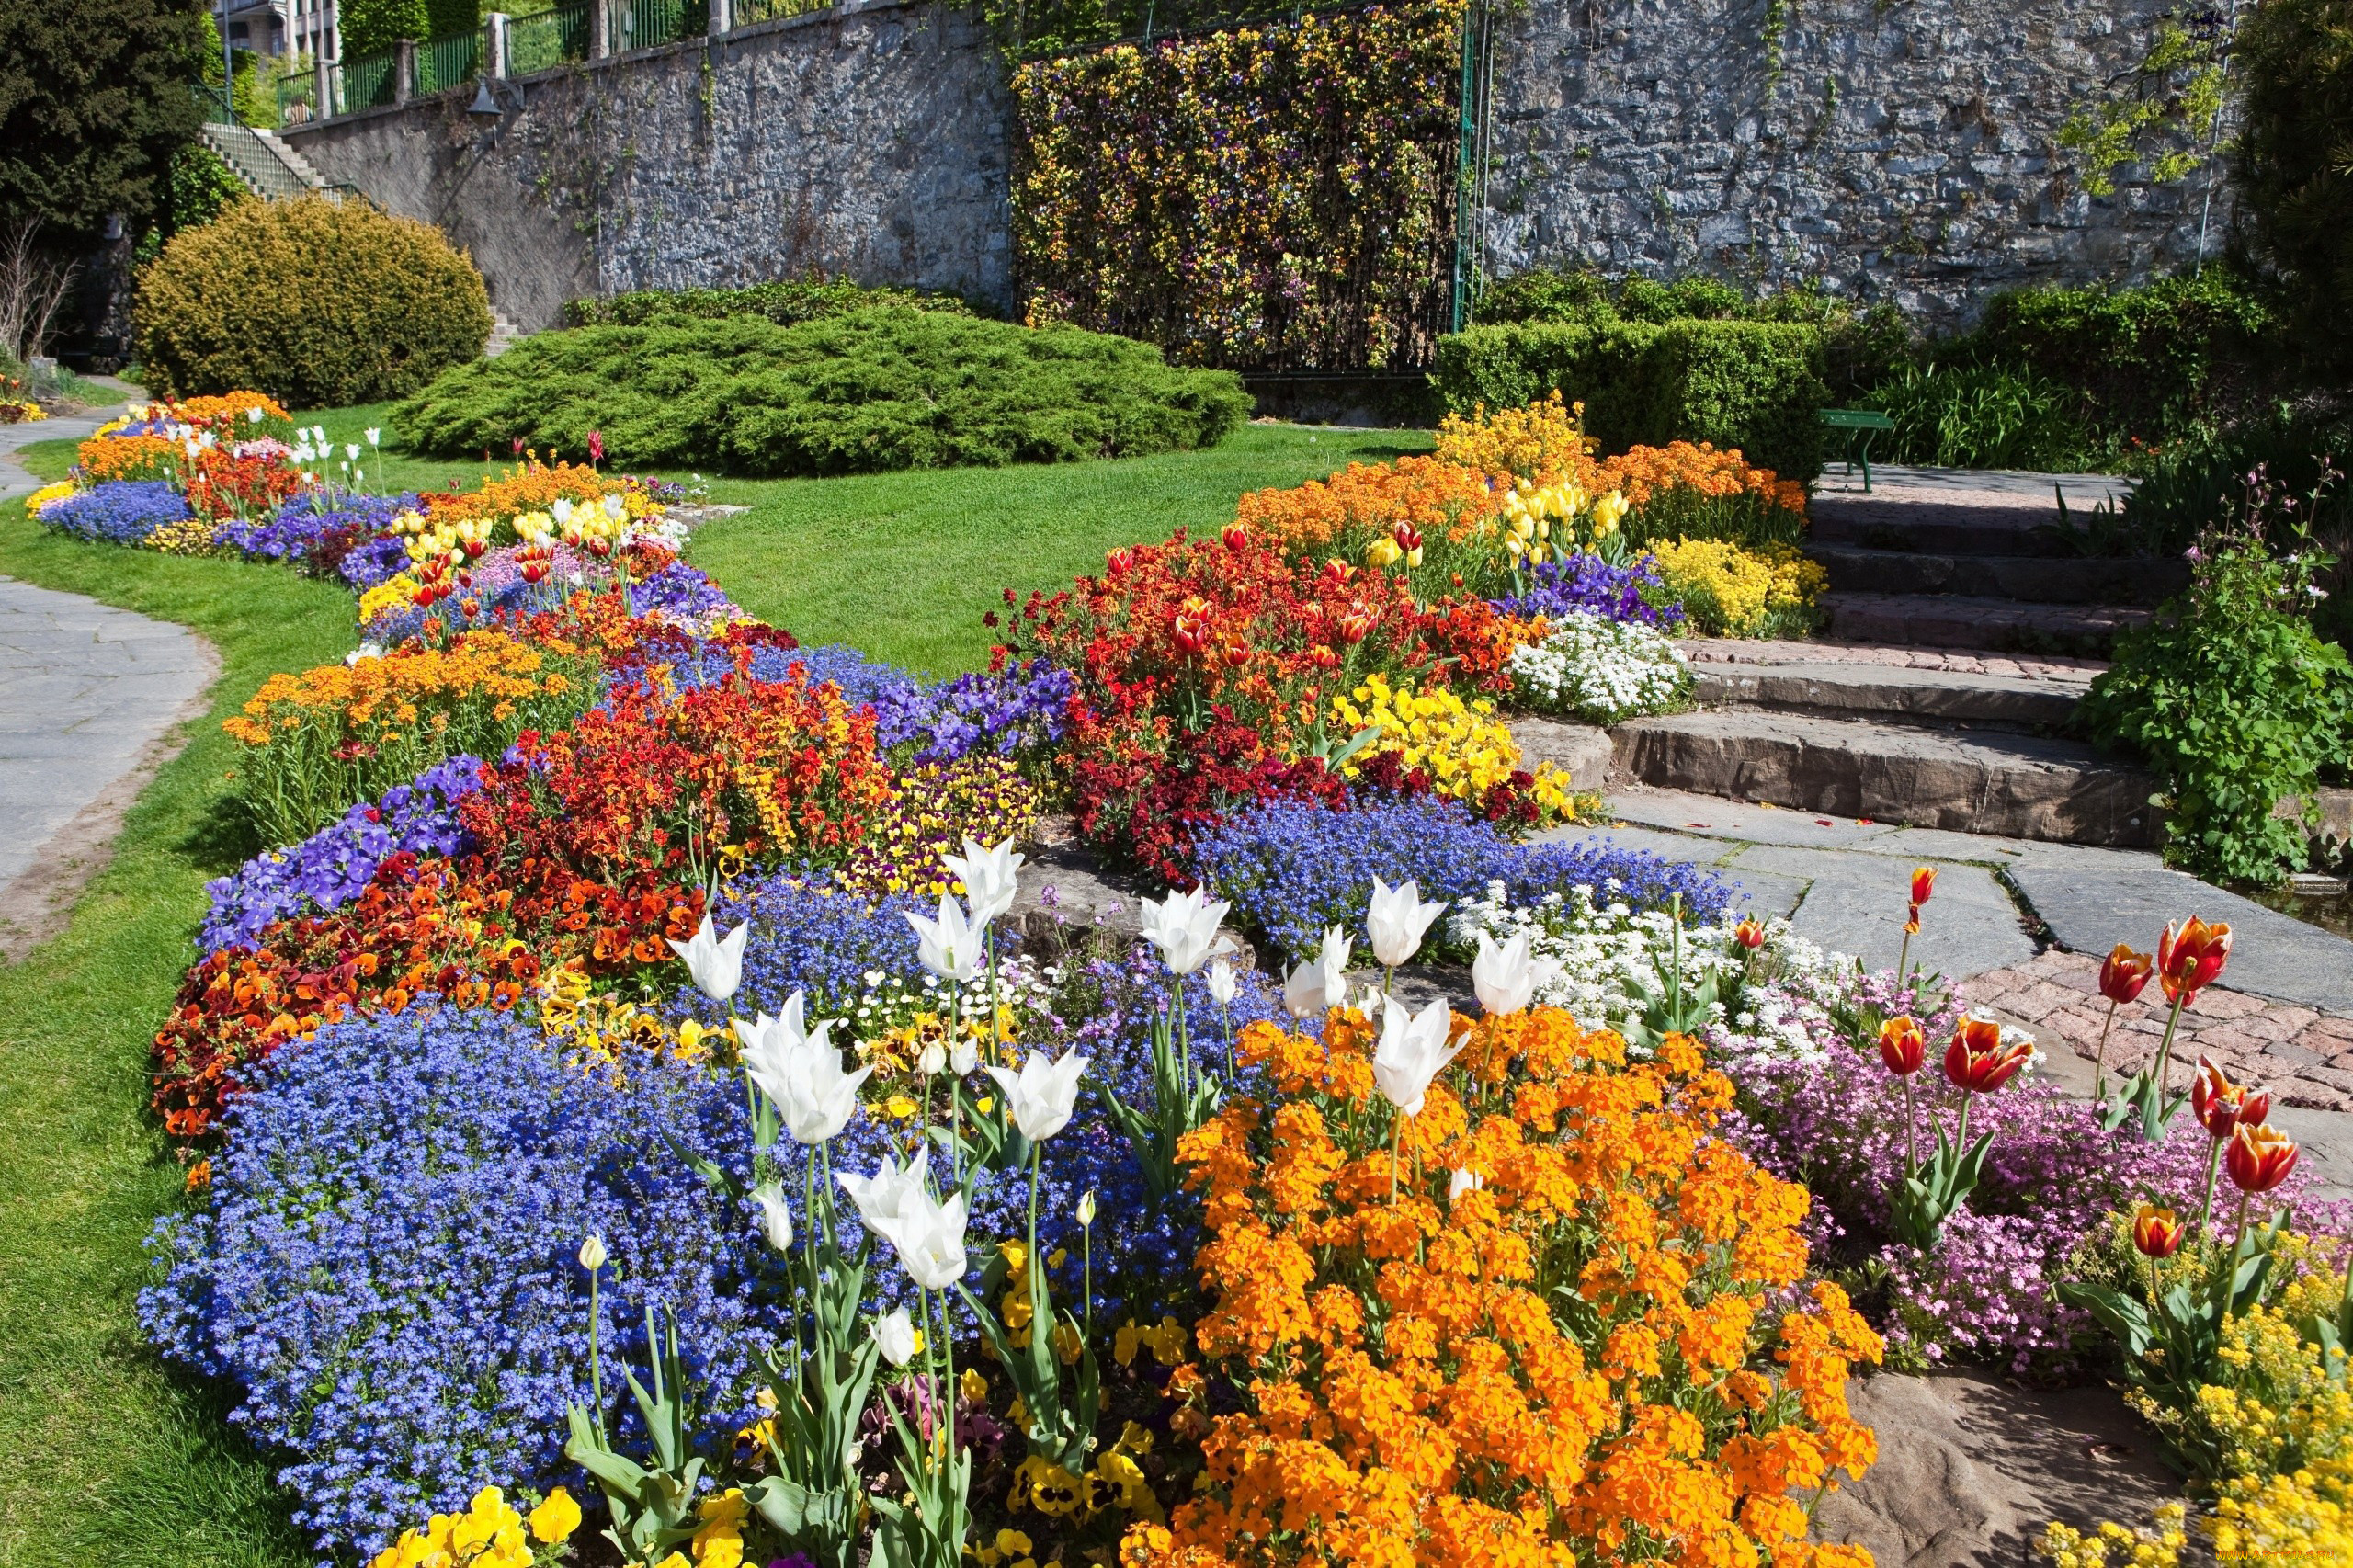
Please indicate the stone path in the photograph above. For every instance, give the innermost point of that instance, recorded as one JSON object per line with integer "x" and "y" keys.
{"x": 91, "y": 698}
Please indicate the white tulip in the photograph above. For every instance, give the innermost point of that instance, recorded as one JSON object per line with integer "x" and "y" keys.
{"x": 930, "y": 1238}
{"x": 1042, "y": 1094}
{"x": 933, "y": 1059}
{"x": 1184, "y": 926}
{"x": 1320, "y": 984}
{"x": 615, "y": 507}
{"x": 1412, "y": 1052}
{"x": 990, "y": 877}
{"x": 373, "y": 432}
{"x": 561, "y": 511}
{"x": 1505, "y": 977}
{"x": 1221, "y": 982}
{"x": 882, "y": 1198}
{"x": 1463, "y": 1182}
{"x": 351, "y": 450}
{"x": 319, "y": 436}
{"x": 1086, "y": 1208}
{"x": 895, "y": 1334}
{"x": 776, "y": 1220}
{"x": 965, "y": 1056}
{"x": 1397, "y": 921}
{"x": 800, "y": 1070}
{"x": 948, "y": 946}
{"x": 592, "y": 1254}
{"x": 715, "y": 962}
{"x": 253, "y": 416}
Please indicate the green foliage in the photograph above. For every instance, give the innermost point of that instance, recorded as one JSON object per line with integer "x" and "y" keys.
{"x": 1753, "y": 385}
{"x": 202, "y": 188}
{"x": 446, "y": 18}
{"x": 94, "y": 102}
{"x": 886, "y": 388}
{"x": 785, "y": 303}
{"x": 369, "y": 25}
{"x": 2295, "y": 160}
{"x": 2164, "y": 114}
{"x": 314, "y": 302}
{"x": 1978, "y": 416}
{"x": 2232, "y": 698}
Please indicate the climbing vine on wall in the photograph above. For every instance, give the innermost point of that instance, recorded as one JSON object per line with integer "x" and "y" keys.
{"x": 2163, "y": 111}
{"x": 1272, "y": 197}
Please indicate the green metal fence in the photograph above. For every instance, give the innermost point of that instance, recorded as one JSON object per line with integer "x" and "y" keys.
{"x": 444, "y": 63}
{"x": 750, "y": 11}
{"x": 297, "y": 87}
{"x": 641, "y": 23}
{"x": 370, "y": 80}
{"x": 545, "y": 39}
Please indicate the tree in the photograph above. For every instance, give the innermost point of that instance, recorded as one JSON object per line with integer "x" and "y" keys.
{"x": 2295, "y": 158}
{"x": 94, "y": 102}
{"x": 372, "y": 24}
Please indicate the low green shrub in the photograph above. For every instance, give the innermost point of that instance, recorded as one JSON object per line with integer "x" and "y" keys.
{"x": 877, "y": 388}
{"x": 2232, "y": 698}
{"x": 319, "y": 304}
{"x": 787, "y": 304}
{"x": 1978, "y": 416}
{"x": 1753, "y": 385}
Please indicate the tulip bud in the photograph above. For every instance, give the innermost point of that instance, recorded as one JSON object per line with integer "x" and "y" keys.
{"x": 592, "y": 1254}
{"x": 1924, "y": 882}
{"x": 2157, "y": 1232}
{"x": 2123, "y": 973}
{"x": 1236, "y": 536}
{"x": 1749, "y": 935}
{"x": 1086, "y": 1208}
{"x": 1903, "y": 1046}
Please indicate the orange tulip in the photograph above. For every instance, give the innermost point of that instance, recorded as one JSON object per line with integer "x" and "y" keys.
{"x": 2123, "y": 974}
{"x": 1978, "y": 1062}
{"x": 1118, "y": 561}
{"x": 1749, "y": 935}
{"x": 1192, "y": 627}
{"x": 2157, "y": 1232}
{"x": 2224, "y": 1107}
{"x": 2190, "y": 955}
{"x": 1924, "y": 882}
{"x": 1903, "y": 1046}
{"x": 2260, "y": 1158}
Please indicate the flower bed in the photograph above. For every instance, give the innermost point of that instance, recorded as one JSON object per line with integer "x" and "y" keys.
{"x": 637, "y": 990}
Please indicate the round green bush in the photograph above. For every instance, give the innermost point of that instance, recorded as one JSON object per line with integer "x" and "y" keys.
{"x": 2295, "y": 159}
{"x": 317, "y": 304}
{"x": 886, "y": 388}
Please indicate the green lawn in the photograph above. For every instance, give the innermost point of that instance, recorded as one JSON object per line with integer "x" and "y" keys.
{"x": 104, "y": 1456}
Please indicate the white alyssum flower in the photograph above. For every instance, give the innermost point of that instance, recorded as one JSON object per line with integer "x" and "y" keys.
{"x": 1600, "y": 670}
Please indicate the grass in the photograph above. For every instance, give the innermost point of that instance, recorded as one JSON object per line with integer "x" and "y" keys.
{"x": 106, "y": 1457}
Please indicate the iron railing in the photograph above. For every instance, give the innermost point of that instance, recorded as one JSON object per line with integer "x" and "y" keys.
{"x": 642, "y": 24}
{"x": 545, "y": 39}
{"x": 444, "y": 63}
{"x": 370, "y": 80}
{"x": 749, "y": 12}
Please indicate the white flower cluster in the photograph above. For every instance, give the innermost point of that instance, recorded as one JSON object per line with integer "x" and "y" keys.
{"x": 1600, "y": 670}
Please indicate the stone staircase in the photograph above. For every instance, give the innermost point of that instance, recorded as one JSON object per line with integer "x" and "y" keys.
{"x": 503, "y": 336}
{"x": 1964, "y": 626}
{"x": 269, "y": 168}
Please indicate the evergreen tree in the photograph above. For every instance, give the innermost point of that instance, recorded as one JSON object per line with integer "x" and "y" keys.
{"x": 94, "y": 102}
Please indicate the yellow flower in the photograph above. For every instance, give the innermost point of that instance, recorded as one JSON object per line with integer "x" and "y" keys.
{"x": 45, "y": 494}
{"x": 556, "y": 1518}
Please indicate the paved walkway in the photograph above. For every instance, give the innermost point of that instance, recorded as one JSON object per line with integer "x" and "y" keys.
{"x": 90, "y": 696}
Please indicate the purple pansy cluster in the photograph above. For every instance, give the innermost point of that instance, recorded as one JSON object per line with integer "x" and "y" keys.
{"x": 336, "y": 864}
{"x": 1590, "y": 584}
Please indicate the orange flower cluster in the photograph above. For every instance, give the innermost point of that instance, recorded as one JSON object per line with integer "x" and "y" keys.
{"x": 535, "y": 487}
{"x": 1544, "y": 443}
{"x": 1643, "y": 472}
{"x": 1555, "y": 1345}
{"x": 226, "y": 415}
{"x": 104, "y": 458}
{"x": 1429, "y": 495}
{"x": 399, "y": 688}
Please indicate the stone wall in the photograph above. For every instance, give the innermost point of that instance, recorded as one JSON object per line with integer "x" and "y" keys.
{"x": 867, "y": 141}
{"x": 1904, "y": 150}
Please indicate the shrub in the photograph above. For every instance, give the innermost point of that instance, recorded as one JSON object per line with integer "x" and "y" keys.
{"x": 1980, "y": 415}
{"x": 316, "y": 303}
{"x": 2234, "y": 700}
{"x": 122, "y": 511}
{"x": 395, "y": 1296}
{"x": 879, "y": 389}
{"x": 787, "y": 304}
{"x": 1752, "y": 385}
{"x": 2293, "y": 171}
{"x": 1291, "y": 870}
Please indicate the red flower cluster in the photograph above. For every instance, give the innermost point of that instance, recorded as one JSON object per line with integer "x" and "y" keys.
{"x": 221, "y": 484}
{"x": 1206, "y": 670}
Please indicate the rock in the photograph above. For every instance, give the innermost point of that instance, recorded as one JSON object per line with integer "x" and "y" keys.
{"x": 1971, "y": 1468}
{"x": 1581, "y": 751}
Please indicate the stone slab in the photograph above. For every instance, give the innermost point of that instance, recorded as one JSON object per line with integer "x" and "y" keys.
{"x": 2018, "y": 786}
{"x": 1856, "y": 904}
{"x": 1955, "y": 620}
{"x": 1761, "y": 892}
{"x": 1582, "y": 751}
{"x": 2059, "y": 669}
{"x": 2090, "y": 909}
{"x": 2035, "y": 579}
{"x": 1855, "y": 691}
{"x": 1972, "y": 1467}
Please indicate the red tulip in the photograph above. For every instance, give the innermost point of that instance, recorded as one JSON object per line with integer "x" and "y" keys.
{"x": 1190, "y": 627}
{"x": 1903, "y": 1046}
{"x": 1407, "y": 536}
{"x": 2190, "y": 956}
{"x": 1336, "y": 571}
{"x": 1924, "y": 882}
{"x": 2157, "y": 1232}
{"x": 2222, "y": 1105}
{"x": 2260, "y": 1158}
{"x": 2123, "y": 974}
{"x": 1355, "y": 626}
{"x": 1978, "y": 1062}
{"x": 519, "y": 446}
{"x": 1749, "y": 935}
{"x": 1236, "y": 536}
{"x": 596, "y": 445}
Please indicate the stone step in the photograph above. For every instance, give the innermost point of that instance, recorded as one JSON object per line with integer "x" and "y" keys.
{"x": 1892, "y": 693}
{"x": 1966, "y": 781}
{"x": 2036, "y": 579}
{"x": 1958, "y": 522}
{"x": 503, "y": 337}
{"x": 1958, "y": 620}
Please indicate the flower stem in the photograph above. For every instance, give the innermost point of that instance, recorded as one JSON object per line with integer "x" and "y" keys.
{"x": 595, "y": 1364}
{"x": 2206, "y": 1208}
{"x": 1910, "y": 1124}
{"x": 2099, "y": 1063}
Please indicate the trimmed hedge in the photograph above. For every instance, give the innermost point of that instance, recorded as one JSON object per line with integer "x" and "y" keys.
{"x": 1754, "y": 386}
{"x": 318, "y": 304}
{"x": 887, "y": 388}
{"x": 787, "y": 304}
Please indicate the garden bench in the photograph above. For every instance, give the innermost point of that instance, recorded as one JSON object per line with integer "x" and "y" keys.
{"x": 1862, "y": 426}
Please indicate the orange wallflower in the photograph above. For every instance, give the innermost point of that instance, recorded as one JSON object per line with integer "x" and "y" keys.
{"x": 1642, "y": 472}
